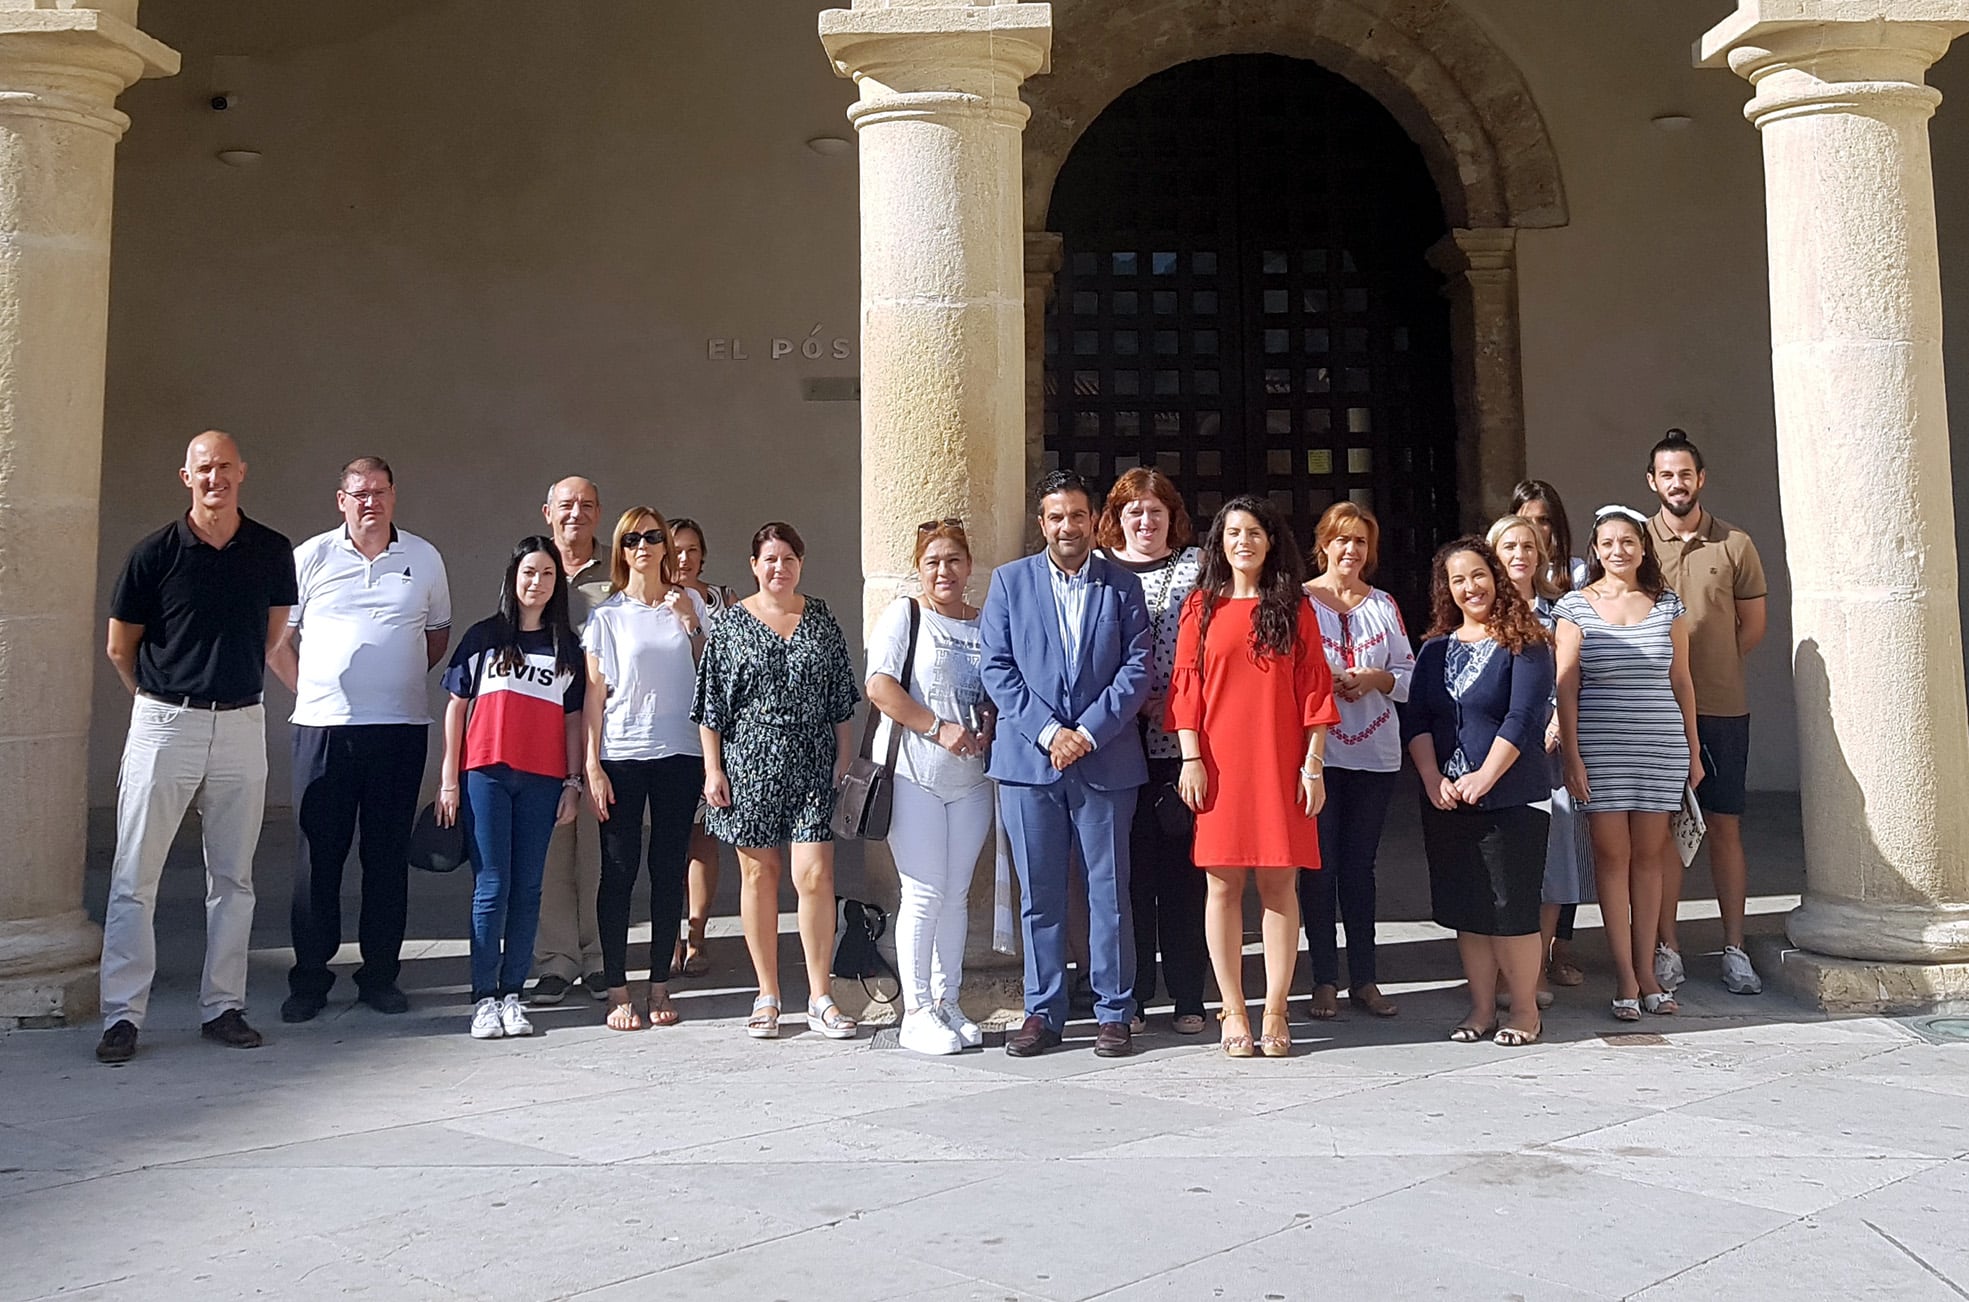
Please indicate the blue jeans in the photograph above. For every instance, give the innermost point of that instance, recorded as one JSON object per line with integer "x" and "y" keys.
{"x": 1350, "y": 825}
{"x": 512, "y": 821}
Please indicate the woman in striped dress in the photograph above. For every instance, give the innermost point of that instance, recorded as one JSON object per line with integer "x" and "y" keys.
{"x": 1628, "y": 730}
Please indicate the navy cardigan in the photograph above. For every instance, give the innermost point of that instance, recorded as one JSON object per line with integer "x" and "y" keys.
{"x": 1512, "y": 699}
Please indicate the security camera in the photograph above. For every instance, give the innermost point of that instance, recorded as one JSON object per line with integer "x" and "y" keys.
{"x": 221, "y": 101}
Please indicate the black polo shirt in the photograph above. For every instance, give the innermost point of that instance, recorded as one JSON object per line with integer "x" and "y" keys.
{"x": 204, "y": 608}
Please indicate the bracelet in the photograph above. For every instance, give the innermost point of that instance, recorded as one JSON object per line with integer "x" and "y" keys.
{"x": 571, "y": 783}
{"x": 1192, "y": 759}
{"x": 449, "y": 788}
{"x": 936, "y": 726}
{"x": 1313, "y": 773}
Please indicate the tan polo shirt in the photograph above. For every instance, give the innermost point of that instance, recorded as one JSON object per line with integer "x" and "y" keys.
{"x": 1711, "y": 573}
{"x": 588, "y": 587}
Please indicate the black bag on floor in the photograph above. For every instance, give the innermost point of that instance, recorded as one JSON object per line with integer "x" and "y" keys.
{"x": 857, "y": 926}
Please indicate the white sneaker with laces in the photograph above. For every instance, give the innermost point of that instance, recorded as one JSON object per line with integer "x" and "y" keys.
{"x": 924, "y": 1032}
{"x": 1739, "y": 978}
{"x": 1668, "y": 968}
{"x": 513, "y": 1017}
{"x": 952, "y": 1016}
{"x": 486, "y": 1024}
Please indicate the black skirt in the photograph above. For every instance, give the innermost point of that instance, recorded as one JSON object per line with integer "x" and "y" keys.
{"x": 1486, "y": 867}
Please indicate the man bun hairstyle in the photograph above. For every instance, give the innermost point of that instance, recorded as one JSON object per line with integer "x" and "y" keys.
{"x": 1675, "y": 440}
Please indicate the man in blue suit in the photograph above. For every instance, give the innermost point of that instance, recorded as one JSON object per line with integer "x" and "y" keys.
{"x": 1066, "y": 661}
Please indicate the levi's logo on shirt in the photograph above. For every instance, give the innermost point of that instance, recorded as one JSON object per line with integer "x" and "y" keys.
{"x": 527, "y": 672}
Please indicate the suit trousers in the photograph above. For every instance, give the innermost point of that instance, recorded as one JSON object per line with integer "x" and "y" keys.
{"x": 569, "y": 944}
{"x": 350, "y": 777}
{"x": 172, "y": 758}
{"x": 1045, "y": 824}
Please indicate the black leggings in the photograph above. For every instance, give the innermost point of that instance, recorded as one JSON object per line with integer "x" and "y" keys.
{"x": 669, "y": 790}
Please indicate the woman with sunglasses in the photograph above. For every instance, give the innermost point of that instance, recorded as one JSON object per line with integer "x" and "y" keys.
{"x": 1627, "y": 723}
{"x": 775, "y": 698}
{"x": 643, "y": 645}
{"x": 687, "y": 551}
{"x": 942, "y": 810}
{"x": 512, "y": 745}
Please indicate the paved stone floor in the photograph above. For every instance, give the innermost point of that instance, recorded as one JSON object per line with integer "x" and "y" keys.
{"x": 1746, "y": 1149}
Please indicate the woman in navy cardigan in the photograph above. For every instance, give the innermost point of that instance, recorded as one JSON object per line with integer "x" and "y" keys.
{"x": 1475, "y": 726}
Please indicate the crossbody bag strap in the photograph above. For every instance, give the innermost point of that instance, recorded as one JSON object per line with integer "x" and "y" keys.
{"x": 875, "y": 715}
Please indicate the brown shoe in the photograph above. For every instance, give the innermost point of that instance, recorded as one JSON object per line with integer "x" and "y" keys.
{"x": 229, "y": 1028}
{"x": 1031, "y": 1039}
{"x": 1113, "y": 1041}
{"x": 119, "y": 1043}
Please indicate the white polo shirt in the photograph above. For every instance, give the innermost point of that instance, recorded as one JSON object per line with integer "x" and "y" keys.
{"x": 362, "y": 625}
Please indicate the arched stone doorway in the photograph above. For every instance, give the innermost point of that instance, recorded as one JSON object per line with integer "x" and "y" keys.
{"x": 1456, "y": 95}
{"x": 1245, "y": 300}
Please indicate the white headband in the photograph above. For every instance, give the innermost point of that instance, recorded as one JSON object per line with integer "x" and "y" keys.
{"x": 1625, "y": 512}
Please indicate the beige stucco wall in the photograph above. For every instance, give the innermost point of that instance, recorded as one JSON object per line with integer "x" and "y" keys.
{"x": 490, "y": 240}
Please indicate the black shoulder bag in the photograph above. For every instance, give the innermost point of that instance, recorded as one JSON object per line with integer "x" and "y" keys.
{"x": 866, "y": 795}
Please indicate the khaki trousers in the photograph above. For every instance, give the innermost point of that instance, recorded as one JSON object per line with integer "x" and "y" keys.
{"x": 569, "y": 943}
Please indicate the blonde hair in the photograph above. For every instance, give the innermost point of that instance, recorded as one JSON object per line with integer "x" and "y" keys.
{"x": 618, "y": 561}
{"x": 1334, "y": 522}
{"x": 1541, "y": 578}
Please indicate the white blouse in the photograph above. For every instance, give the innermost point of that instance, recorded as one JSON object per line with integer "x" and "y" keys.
{"x": 1370, "y": 636}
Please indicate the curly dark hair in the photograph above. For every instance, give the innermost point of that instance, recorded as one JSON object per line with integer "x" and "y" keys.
{"x": 1275, "y": 628}
{"x": 1513, "y": 624}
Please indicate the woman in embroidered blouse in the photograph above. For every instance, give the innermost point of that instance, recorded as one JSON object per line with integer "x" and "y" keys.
{"x": 1475, "y": 727}
{"x": 688, "y": 550}
{"x": 775, "y": 696}
{"x": 1146, "y": 529}
{"x": 1367, "y": 648}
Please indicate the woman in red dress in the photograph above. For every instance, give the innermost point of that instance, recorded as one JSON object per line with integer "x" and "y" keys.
{"x": 1250, "y": 700}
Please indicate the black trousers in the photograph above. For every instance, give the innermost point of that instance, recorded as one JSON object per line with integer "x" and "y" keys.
{"x": 1166, "y": 891}
{"x": 1350, "y": 822}
{"x": 669, "y": 790}
{"x": 354, "y": 777}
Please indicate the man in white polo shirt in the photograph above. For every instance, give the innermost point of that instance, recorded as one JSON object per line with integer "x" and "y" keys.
{"x": 374, "y": 617}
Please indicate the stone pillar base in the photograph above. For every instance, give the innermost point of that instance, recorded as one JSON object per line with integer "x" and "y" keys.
{"x": 39, "y": 1000}
{"x": 1845, "y": 985}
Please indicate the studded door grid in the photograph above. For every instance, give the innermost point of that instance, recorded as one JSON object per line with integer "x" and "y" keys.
{"x": 1245, "y": 303}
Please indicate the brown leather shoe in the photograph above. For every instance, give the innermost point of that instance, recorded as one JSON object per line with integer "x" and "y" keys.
{"x": 229, "y": 1028}
{"x": 1031, "y": 1039}
{"x": 1113, "y": 1041}
{"x": 119, "y": 1043}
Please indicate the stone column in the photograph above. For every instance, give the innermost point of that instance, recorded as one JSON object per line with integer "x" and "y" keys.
{"x": 943, "y": 299}
{"x": 61, "y": 70}
{"x": 1482, "y": 268}
{"x": 1856, "y": 334}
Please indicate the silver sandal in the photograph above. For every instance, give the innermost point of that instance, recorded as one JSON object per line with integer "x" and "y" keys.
{"x": 764, "y": 1022}
{"x": 830, "y": 1021}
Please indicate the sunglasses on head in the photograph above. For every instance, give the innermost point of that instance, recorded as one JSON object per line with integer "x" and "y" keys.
{"x": 948, "y": 522}
{"x": 653, "y": 537}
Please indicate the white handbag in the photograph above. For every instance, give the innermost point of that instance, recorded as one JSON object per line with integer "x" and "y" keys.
{"x": 1686, "y": 825}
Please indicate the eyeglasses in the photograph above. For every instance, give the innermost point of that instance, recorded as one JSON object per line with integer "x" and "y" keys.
{"x": 367, "y": 494}
{"x": 948, "y": 522}
{"x": 655, "y": 538}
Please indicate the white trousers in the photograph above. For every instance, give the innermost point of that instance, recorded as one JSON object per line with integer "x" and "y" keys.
{"x": 936, "y": 845}
{"x": 171, "y": 758}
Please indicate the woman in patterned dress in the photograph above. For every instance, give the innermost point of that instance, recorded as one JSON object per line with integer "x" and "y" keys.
{"x": 1367, "y": 648}
{"x": 775, "y": 695}
{"x": 1627, "y": 722}
{"x": 1146, "y": 530}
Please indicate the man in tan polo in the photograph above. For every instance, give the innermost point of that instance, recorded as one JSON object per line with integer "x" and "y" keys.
{"x": 1714, "y": 567}
{"x": 569, "y": 947}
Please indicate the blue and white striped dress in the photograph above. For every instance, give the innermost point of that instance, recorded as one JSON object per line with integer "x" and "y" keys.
{"x": 1631, "y": 734}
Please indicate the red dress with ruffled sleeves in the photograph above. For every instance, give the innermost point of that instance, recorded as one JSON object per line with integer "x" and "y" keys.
{"x": 1251, "y": 711}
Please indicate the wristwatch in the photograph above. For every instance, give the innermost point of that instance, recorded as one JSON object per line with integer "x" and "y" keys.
{"x": 936, "y": 726}
{"x": 572, "y": 782}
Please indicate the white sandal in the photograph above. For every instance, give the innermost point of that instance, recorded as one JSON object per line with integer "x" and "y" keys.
{"x": 1663, "y": 1004}
{"x": 764, "y": 1022}
{"x": 830, "y": 1021}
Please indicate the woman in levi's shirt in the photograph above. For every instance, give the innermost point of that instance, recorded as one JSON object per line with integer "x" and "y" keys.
{"x": 1368, "y": 650}
{"x": 512, "y": 733}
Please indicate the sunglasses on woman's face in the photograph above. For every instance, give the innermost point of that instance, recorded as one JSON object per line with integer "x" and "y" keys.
{"x": 655, "y": 538}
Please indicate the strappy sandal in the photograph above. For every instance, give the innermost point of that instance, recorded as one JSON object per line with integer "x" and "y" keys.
{"x": 764, "y": 1022}
{"x": 1662, "y": 1005}
{"x": 1325, "y": 1005}
{"x": 1279, "y": 1045}
{"x": 1513, "y": 1038}
{"x": 1564, "y": 973}
{"x": 1468, "y": 1034}
{"x": 1236, "y": 1046}
{"x": 1627, "y": 1010}
{"x": 829, "y": 1020}
{"x": 1187, "y": 1024}
{"x": 1373, "y": 1001}
{"x": 623, "y": 1016}
{"x": 662, "y": 1011}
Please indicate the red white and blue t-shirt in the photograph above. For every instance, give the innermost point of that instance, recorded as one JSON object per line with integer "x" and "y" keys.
{"x": 520, "y": 718}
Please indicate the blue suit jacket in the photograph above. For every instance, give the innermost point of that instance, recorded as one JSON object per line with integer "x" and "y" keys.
{"x": 1024, "y": 671}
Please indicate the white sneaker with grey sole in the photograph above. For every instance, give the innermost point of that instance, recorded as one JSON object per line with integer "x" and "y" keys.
{"x": 1668, "y": 968}
{"x": 953, "y": 1016}
{"x": 1739, "y": 977}
{"x": 512, "y": 1017}
{"x": 924, "y": 1032}
{"x": 486, "y": 1024}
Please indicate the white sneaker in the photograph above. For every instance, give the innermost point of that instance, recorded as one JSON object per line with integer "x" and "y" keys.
{"x": 486, "y": 1024}
{"x": 1668, "y": 968}
{"x": 951, "y": 1015}
{"x": 1739, "y": 978}
{"x": 513, "y": 1017}
{"x": 924, "y": 1032}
